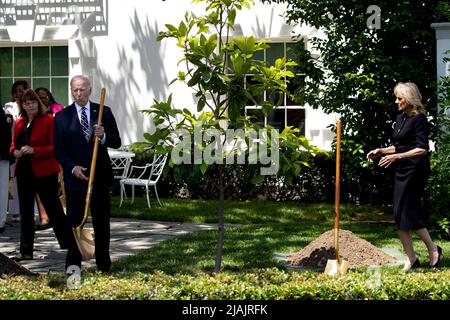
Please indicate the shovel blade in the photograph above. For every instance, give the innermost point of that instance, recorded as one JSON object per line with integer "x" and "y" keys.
{"x": 85, "y": 243}
{"x": 333, "y": 267}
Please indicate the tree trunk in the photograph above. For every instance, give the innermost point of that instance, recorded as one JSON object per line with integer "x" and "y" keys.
{"x": 221, "y": 214}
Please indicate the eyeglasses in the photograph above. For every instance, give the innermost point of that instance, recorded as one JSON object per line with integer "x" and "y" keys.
{"x": 30, "y": 103}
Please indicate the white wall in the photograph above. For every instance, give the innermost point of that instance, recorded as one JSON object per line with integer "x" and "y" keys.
{"x": 135, "y": 68}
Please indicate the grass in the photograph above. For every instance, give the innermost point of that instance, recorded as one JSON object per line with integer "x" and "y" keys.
{"x": 243, "y": 212}
{"x": 178, "y": 268}
{"x": 264, "y": 228}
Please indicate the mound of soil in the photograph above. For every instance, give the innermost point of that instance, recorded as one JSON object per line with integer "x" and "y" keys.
{"x": 8, "y": 266}
{"x": 356, "y": 251}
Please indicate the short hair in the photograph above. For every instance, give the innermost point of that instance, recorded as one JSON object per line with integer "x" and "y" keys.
{"x": 17, "y": 83}
{"x": 30, "y": 95}
{"x": 81, "y": 77}
{"x": 410, "y": 92}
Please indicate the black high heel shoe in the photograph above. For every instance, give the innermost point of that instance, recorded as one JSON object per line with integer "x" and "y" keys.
{"x": 439, "y": 251}
{"x": 415, "y": 265}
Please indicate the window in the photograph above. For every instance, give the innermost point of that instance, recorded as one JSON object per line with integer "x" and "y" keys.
{"x": 40, "y": 66}
{"x": 289, "y": 113}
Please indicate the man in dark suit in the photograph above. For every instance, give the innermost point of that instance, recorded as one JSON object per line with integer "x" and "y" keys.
{"x": 75, "y": 130}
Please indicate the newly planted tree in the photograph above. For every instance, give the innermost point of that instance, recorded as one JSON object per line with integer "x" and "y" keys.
{"x": 214, "y": 65}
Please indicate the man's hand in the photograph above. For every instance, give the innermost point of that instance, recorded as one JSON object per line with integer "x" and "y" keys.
{"x": 78, "y": 172}
{"x": 99, "y": 132}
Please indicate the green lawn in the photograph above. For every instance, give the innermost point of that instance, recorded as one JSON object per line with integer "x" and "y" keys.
{"x": 178, "y": 268}
{"x": 263, "y": 229}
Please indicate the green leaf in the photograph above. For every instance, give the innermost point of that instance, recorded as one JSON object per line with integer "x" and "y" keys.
{"x": 171, "y": 28}
{"x": 204, "y": 167}
{"x": 182, "y": 29}
{"x": 201, "y": 104}
{"x": 267, "y": 107}
{"x": 231, "y": 17}
{"x": 258, "y": 179}
{"x": 206, "y": 76}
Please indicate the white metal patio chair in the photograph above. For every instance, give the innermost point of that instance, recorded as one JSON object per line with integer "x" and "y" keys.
{"x": 149, "y": 176}
{"x": 120, "y": 166}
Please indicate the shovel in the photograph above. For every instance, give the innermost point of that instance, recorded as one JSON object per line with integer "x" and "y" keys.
{"x": 62, "y": 197}
{"x": 338, "y": 266}
{"x": 83, "y": 237}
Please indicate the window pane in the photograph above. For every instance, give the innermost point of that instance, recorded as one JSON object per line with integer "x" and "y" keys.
{"x": 276, "y": 118}
{"x": 59, "y": 90}
{"x": 257, "y": 116}
{"x": 275, "y": 51}
{"x": 41, "y": 82}
{"x": 22, "y": 62}
{"x": 296, "y": 119}
{"x": 5, "y": 90}
{"x": 6, "y": 67}
{"x": 41, "y": 64}
{"x": 259, "y": 55}
{"x": 60, "y": 62}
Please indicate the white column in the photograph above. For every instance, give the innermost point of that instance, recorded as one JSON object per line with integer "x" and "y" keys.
{"x": 442, "y": 50}
{"x": 442, "y": 45}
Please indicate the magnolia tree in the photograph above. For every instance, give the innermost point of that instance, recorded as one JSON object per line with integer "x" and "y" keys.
{"x": 214, "y": 66}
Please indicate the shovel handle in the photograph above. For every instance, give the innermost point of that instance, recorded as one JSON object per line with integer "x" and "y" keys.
{"x": 93, "y": 162}
{"x": 337, "y": 193}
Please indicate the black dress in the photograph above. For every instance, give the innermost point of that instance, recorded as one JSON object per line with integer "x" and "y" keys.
{"x": 411, "y": 174}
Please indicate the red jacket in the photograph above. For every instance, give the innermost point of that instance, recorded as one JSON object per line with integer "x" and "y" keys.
{"x": 43, "y": 160}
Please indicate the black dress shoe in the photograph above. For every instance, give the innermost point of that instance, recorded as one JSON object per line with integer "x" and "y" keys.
{"x": 21, "y": 257}
{"x": 42, "y": 227}
{"x": 439, "y": 250}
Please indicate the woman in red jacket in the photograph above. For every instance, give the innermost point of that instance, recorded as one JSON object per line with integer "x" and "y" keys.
{"x": 36, "y": 171}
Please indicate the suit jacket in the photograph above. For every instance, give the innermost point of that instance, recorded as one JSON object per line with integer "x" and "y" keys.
{"x": 43, "y": 161}
{"x": 5, "y": 136}
{"x": 72, "y": 149}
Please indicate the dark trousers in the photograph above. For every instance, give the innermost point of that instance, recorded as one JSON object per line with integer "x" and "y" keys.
{"x": 100, "y": 210}
{"x": 28, "y": 185}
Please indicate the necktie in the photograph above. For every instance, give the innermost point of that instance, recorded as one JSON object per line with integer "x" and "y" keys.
{"x": 84, "y": 123}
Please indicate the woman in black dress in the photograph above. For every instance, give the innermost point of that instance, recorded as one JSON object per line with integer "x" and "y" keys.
{"x": 409, "y": 157}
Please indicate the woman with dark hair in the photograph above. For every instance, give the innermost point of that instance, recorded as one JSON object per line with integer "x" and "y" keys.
{"x": 47, "y": 99}
{"x": 17, "y": 89}
{"x": 52, "y": 108}
{"x": 36, "y": 171}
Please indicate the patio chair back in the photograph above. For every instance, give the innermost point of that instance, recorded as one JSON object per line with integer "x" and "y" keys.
{"x": 157, "y": 166}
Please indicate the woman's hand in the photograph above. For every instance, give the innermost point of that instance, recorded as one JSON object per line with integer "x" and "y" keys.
{"x": 26, "y": 150}
{"x": 17, "y": 154}
{"x": 374, "y": 154}
{"x": 388, "y": 160}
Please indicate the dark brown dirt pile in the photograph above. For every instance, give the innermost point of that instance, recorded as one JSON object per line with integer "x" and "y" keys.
{"x": 8, "y": 266}
{"x": 356, "y": 251}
